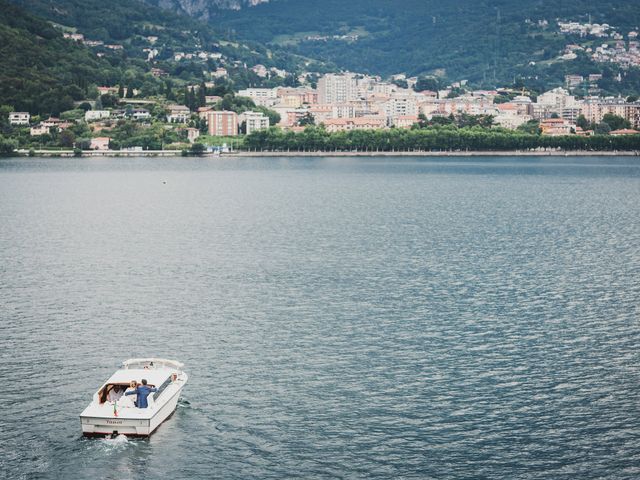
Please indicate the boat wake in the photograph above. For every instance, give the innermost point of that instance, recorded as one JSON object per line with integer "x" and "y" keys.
{"x": 116, "y": 442}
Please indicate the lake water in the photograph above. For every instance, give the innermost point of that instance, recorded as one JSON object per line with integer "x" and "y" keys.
{"x": 339, "y": 318}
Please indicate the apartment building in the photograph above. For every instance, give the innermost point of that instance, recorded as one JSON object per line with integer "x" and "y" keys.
{"x": 334, "y": 88}
{"x": 264, "y": 97}
{"x": 222, "y": 123}
{"x": 361, "y": 123}
{"x": 254, "y": 121}
{"x": 594, "y": 109}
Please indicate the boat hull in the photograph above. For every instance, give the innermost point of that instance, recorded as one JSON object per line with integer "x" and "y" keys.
{"x": 94, "y": 426}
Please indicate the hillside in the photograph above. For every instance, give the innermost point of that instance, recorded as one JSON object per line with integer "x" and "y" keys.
{"x": 120, "y": 42}
{"x": 204, "y": 8}
{"x": 483, "y": 41}
{"x": 130, "y": 23}
{"x": 41, "y": 71}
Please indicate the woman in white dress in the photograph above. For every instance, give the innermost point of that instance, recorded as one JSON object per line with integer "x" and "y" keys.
{"x": 128, "y": 400}
{"x": 115, "y": 393}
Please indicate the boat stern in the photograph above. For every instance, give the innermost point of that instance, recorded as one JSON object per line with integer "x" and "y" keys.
{"x": 101, "y": 426}
{"x": 101, "y": 420}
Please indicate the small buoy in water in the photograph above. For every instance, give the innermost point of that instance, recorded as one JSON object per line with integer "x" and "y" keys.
{"x": 164, "y": 182}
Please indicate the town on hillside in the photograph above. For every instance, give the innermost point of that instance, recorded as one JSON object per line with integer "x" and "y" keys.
{"x": 340, "y": 102}
{"x": 216, "y": 115}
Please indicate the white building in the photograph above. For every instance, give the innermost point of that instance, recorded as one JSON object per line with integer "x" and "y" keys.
{"x": 511, "y": 119}
{"x": 557, "y": 101}
{"x": 334, "y": 88}
{"x": 141, "y": 114}
{"x": 383, "y": 88}
{"x": 220, "y": 72}
{"x": 19, "y": 118}
{"x": 93, "y": 115}
{"x": 264, "y": 97}
{"x": 401, "y": 105}
{"x": 178, "y": 114}
{"x": 260, "y": 70}
{"x": 343, "y": 110}
{"x": 39, "y": 130}
{"x": 254, "y": 121}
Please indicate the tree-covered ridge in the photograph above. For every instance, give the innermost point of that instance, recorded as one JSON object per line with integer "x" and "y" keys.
{"x": 40, "y": 70}
{"x": 44, "y": 73}
{"x": 486, "y": 40}
{"x": 114, "y": 21}
{"x": 129, "y": 23}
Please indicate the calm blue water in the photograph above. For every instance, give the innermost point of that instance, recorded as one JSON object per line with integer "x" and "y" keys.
{"x": 339, "y": 318}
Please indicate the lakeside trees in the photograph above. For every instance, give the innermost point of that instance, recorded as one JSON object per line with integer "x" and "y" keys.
{"x": 7, "y": 146}
{"x": 439, "y": 138}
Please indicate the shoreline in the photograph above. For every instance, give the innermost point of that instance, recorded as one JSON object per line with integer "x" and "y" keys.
{"x": 248, "y": 154}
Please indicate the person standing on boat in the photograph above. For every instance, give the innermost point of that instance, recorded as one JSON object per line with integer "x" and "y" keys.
{"x": 142, "y": 392}
{"x": 127, "y": 401}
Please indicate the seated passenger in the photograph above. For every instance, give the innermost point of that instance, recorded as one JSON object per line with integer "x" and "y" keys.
{"x": 115, "y": 393}
{"x": 142, "y": 392}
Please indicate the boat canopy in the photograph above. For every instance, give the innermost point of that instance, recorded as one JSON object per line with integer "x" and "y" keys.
{"x": 154, "y": 377}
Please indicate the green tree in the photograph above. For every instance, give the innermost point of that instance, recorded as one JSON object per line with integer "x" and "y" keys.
{"x": 307, "y": 120}
{"x": 583, "y": 123}
{"x": 427, "y": 84}
{"x": 291, "y": 81}
{"x": 197, "y": 149}
{"x": 169, "y": 91}
{"x": 615, "y": 122}
{"x": 5, "y": 110}
{"x": 532, "y": 127}
{"x": 67, "y": 138}
{"x": 202, "y": 95}
{"x": 274, "y": 117}
{"x": 107, "y": 101}
{"x": 602, "y": 128}
{"x": 7, "y": 146}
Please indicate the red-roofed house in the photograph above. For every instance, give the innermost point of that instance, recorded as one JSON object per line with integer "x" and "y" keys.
{"x": 624, "y": 131}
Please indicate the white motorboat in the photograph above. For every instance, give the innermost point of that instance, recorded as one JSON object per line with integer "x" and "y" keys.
{"x": 112, "y": 413}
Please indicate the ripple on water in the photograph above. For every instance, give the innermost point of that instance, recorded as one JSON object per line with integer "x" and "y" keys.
{"x": 418, "y": 319}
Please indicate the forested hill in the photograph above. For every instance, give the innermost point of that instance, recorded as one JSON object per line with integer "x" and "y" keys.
{"x": 114, "y": 20}
{"x": 40, "y": 70}
{"x": 131, "y": 22}
{"x": 120, "y": 42}
{"x": 474, "y": 39}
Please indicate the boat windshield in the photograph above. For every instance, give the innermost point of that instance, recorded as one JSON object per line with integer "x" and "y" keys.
{"x": 151, "y": 363}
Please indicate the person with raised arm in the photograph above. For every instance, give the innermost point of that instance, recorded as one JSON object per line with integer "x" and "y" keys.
{"x": 142, "y": 391}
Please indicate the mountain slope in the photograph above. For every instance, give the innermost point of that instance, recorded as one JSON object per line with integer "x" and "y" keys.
{"x": 130, "y": 22}
{"x": 204, "y": 8}
{"x": 41, "y": 71}
{"x": 478, "y": 40}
